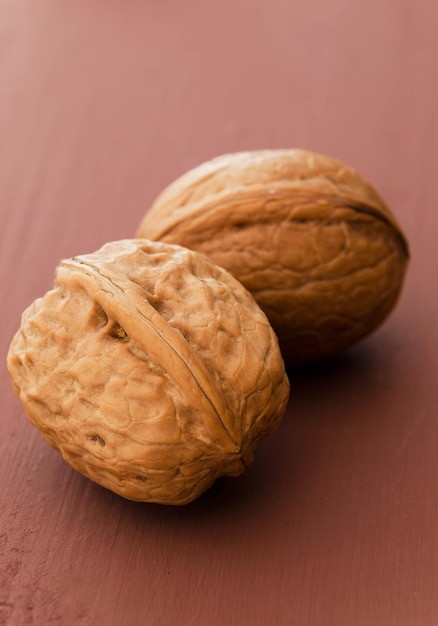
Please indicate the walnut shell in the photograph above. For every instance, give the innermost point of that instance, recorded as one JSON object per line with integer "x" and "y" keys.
{"x": 310, "y": 238}
{"x": 151, "y": 370}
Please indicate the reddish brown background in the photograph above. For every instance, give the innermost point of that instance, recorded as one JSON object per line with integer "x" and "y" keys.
{"x": 102, "y": 103}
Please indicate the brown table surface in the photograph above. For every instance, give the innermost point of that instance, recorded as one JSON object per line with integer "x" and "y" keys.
{"x": 102, "y": 103}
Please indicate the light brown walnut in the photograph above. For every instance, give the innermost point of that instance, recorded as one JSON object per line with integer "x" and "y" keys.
{"x": 150, "y": 369}
{"x": 308, "y": 236}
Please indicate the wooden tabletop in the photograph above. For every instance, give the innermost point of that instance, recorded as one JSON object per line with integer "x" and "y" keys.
{"x": 102, "y": 104}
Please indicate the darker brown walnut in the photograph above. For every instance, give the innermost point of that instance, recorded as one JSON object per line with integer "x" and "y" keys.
{"x": 150, "y": 369}
{"x": 309, "y": 237}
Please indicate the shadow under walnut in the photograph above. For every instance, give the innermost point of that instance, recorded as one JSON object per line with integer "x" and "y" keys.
{"x": 309, "y": 237}
{"x": 150, "y": 369}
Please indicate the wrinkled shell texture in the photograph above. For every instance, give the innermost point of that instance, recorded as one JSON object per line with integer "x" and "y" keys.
{"x": 310, "y": 238}
{"x": 150, "y": 369}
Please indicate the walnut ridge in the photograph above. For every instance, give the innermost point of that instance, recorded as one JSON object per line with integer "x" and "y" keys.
{"x": 309, "y": 237}
{"x": 150, "y": 369}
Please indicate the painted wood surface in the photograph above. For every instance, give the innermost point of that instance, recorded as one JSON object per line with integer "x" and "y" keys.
{"x": 101, "y": 105}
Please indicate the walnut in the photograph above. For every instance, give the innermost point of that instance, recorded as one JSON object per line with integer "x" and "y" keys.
{"x": 150, "y": 369}
{"x": 310, "y": 238}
